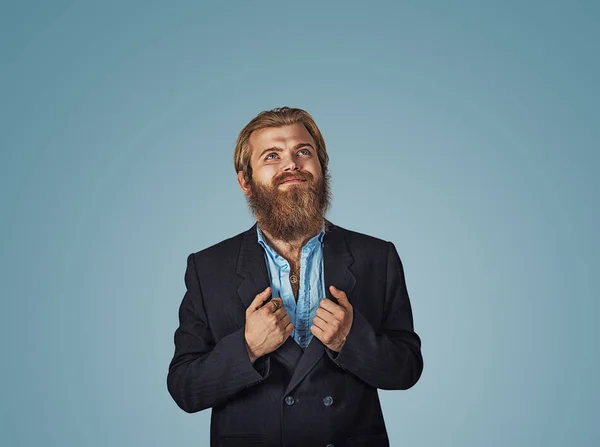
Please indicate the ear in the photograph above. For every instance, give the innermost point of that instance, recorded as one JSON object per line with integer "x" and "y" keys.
{"x": 242, "y": 181}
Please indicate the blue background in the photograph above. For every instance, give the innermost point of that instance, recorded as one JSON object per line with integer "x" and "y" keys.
{"x": 464, "y": 132}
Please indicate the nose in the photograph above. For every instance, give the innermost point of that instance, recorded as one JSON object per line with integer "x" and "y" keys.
{"x": 290, "y": 164}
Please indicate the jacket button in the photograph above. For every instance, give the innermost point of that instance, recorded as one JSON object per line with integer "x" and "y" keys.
{"x": 328, "y": 401}
{"x": 329, "y": 445}
{"x": 289, "y": 400}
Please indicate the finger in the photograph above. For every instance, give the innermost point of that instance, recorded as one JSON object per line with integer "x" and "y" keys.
{"x": 283, "y": 323}
{"x": 324, "y": 315}
{"x": 280, "y": 314}
{"x": 329, "y": 306}
{"x": 274, "y": 305}
{"x": 317, "y": 331}
{"x": 320, "y": 322}
{"x": 289, "y": 328}
{"x": 260, "y": 299}
{"x": 270, "y": 307}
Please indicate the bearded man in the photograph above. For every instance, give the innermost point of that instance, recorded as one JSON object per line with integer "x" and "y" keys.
{"x": 288, "y": 329}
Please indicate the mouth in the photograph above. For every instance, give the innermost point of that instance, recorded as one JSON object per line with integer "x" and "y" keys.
{"x": 293, "y": 180}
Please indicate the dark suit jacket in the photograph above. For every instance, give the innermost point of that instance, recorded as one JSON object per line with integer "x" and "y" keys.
{"x": 294, "y": 397}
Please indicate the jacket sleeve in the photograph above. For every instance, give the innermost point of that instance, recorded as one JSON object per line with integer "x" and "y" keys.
{"x": 203, "y": 373}
{"x": 389, "y": 359}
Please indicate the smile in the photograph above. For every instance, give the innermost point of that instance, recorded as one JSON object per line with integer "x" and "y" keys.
{"x": 293, "y": 181}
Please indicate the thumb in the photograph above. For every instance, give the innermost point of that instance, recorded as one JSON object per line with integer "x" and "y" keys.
{"x": 339, "y": 294}
{"x": 260, "y": 298}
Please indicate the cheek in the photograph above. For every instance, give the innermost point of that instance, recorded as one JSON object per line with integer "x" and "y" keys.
{"x": 265, "y": 174}
{"x": 314, "y": 169}
{"x": 313, "y": 165}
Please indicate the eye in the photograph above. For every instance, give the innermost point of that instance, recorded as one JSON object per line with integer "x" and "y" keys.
{"x": 272, "y": 153}
{"x": 305, "y": 150}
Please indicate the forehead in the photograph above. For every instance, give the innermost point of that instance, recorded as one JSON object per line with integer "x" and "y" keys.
{"x": 281, "y": 137}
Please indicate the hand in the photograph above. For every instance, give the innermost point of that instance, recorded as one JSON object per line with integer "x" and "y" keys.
{"x": 333, "y": 321}
{"x": 266, "y": 330}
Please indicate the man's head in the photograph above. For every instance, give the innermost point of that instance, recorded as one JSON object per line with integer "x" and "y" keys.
{"x": 279, "y": 145}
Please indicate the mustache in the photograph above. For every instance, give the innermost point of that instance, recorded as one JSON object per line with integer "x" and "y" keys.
{"x": 297, "y": 176}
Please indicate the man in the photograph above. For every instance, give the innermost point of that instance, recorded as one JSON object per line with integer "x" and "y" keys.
{"x": 288, "y": 329}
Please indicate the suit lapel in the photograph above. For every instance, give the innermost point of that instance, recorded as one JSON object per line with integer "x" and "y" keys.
{"x": 336, "y": 260}
{"x": 253, "y": 268}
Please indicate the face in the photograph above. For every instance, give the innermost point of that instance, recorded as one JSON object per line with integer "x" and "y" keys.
{"x": 279, "y": 153}
{"x": 287, "y": 192}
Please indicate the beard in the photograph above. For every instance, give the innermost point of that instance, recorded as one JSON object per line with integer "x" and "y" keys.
{"x": 293, "y": 212}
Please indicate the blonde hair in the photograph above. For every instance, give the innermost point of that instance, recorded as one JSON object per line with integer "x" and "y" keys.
{"x": 281, "y": 116}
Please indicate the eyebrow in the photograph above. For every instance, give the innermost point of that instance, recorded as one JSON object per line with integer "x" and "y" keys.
{"x": 278, "y": 149}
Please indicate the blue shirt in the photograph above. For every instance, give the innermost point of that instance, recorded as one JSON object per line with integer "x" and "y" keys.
{"x": 311, "y": 282}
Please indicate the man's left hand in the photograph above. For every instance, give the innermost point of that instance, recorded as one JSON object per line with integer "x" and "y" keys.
{"x": 333, "y": 321}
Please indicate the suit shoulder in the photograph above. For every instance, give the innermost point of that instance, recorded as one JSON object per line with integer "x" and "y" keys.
{"x": 356, "y": 238}
{"x": 224, "y": 249}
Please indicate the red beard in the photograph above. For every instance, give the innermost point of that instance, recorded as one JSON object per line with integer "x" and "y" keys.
{"x": 291, "y": 212}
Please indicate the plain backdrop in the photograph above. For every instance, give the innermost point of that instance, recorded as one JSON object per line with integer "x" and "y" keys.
{"x": 464, "y": 132}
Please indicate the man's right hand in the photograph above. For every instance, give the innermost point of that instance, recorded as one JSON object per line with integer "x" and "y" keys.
{"x": 266, "y": 330}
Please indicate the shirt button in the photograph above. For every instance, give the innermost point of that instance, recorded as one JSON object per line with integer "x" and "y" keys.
{"x": 289, "y": 400}
{"x": 328, "y": 401}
